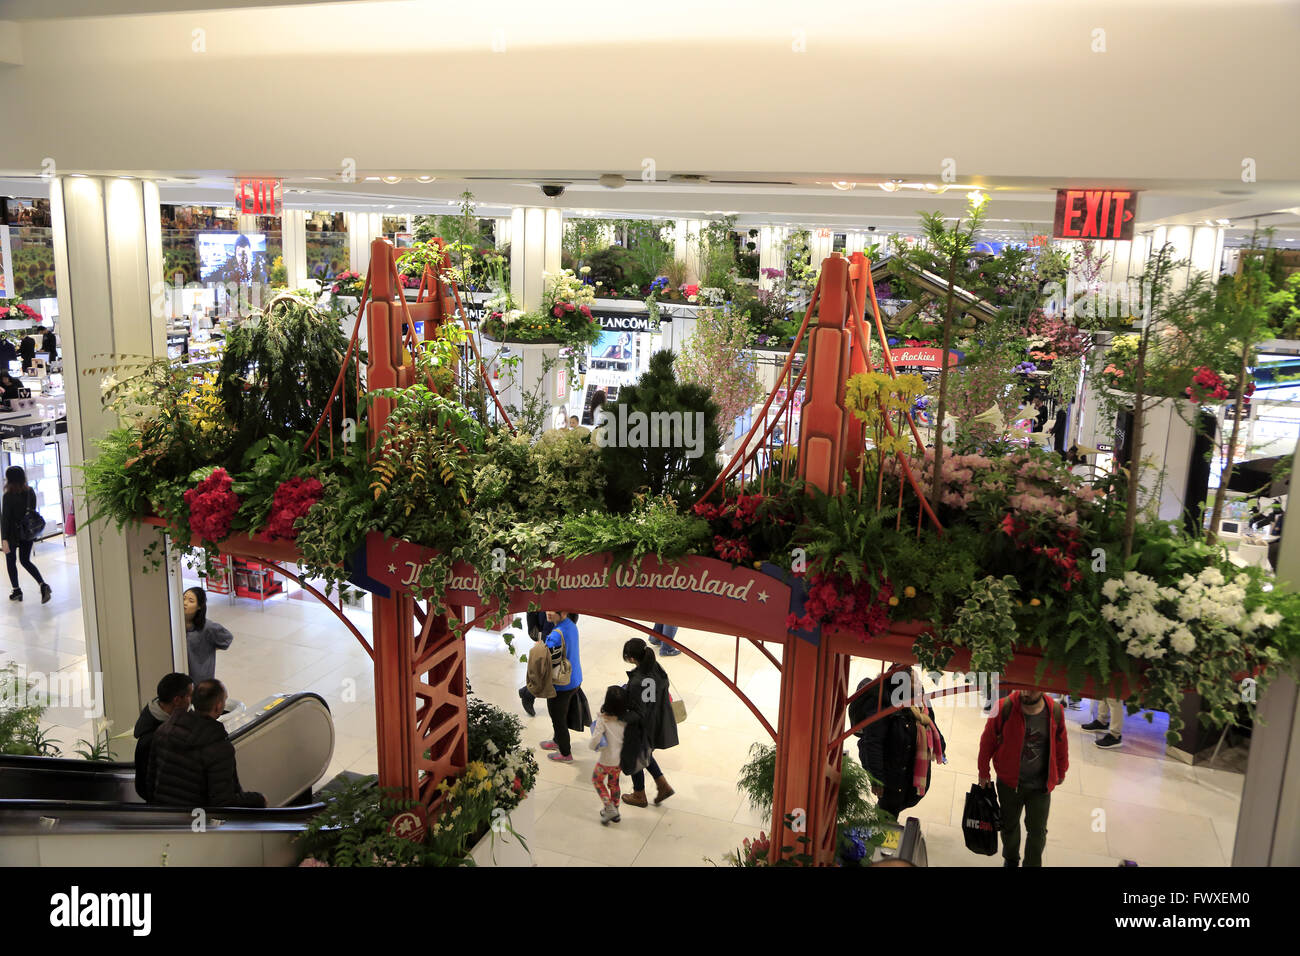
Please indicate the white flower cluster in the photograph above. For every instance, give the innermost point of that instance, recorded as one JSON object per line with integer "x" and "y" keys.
{"x": 564, "y": 286}
{"x": 1203, "y": 601}
{"x": 712, "y": 295}
{"x": 509, "y": 318}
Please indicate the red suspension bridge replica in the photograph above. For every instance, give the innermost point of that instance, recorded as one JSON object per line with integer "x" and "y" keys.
{"x": 420, "y": 661}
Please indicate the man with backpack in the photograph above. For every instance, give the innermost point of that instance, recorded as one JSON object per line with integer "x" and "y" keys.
{"x": 1025, "y": 740}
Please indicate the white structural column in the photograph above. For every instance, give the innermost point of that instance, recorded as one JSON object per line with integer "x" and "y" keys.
{"x": 108, "y": 264}
{"x": 363, "y": 229}
{"x": 293, "y": 236}
{"x": 1201, "y": 246}
{"x": 536, "y": 237}
{"x": 1268, "y": 821}
{"x": 855, "y": 240}
{"x": 820, "y": 243}
{"x": 771, "y": 251}
{"x": 686, "y": 245}
{"x": 246, "y": 222}
{"x": 501, "y": 234}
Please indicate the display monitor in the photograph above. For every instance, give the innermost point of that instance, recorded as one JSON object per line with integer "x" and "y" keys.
{"x": 232, "y": 257}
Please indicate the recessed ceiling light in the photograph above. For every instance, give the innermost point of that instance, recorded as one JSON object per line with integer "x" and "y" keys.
{"x": 844, "y": 185}
{"x": 372, "y": 179}
{"x": 391, "y": 180}
{"x": 426, "y": 179}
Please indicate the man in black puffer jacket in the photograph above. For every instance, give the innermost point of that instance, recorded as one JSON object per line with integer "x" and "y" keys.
{"x": 174, "y": 692}
{"x": 193, "y": 758}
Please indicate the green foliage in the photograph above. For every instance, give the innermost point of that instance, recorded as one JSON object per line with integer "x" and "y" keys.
{"x": 655, "y": 526}
{"x": 492, "y": 731}
{"x": 20, "y": 717}
{"x": 650, "y": 253}
{"x": 277, "y": 373}
{"x": 566, "y": 475}
{"x": 856, "y": 808}
{"x": 985, "y": 624}
{"x": 353, "y": 829}
{"x": 663, "y": 470}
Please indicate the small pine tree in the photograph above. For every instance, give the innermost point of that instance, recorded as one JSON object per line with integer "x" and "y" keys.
{"x": 661, "y": 470}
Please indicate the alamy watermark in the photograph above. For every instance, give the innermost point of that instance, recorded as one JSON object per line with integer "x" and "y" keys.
{"x": 984, "y": 687}
{"x": 1103, "y": 300}
{"x": 636, "y": 429}
{"x": 23, "y": 688}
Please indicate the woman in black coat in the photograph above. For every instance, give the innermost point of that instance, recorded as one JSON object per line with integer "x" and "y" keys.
{"x": 650, "y": 722}
{"x": 887, "y": 748}
{"x": 19, "y": 498}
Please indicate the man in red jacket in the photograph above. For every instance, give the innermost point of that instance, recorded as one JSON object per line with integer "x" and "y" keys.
{"x": 1026, "y": 741}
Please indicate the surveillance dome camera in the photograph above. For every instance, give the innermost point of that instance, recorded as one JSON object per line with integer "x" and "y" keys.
{"x": 552, "y": 190}
{"x": 871, "y": 228}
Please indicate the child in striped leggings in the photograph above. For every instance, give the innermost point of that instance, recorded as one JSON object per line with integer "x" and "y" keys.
{"x": 607, "y": 737}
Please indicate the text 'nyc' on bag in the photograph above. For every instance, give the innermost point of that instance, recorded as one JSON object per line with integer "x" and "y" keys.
{"x": 981, "y": 820}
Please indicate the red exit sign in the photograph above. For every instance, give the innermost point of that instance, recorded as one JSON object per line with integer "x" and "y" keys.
{"x": 1095, "y": 214}
{"x": 257, "y": 197}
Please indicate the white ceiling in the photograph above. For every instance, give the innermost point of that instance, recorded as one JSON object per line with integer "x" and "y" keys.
{"x": 787, "y": 98}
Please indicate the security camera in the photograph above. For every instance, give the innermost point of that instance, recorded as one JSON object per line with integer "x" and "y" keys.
{"x": 871, "y": 228}
{"x": 552, "y": 190}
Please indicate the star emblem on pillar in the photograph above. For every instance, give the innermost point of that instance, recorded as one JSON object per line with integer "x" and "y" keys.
{"x": 392, "y": 569}
{"x": 762, "y": 597}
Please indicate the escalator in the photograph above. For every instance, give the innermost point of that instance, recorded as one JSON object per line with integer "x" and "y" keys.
{"x": 59, "y": 812}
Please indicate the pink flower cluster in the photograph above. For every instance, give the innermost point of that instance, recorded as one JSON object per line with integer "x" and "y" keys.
{"x": 836, "y": 601}
{"x": 212, "y": 506}
{"x": 293, "y": 499}
{"x": 959, "y": 481}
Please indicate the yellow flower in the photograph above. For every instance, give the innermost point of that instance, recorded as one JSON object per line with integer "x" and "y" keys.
{"x": 909, "y": 591}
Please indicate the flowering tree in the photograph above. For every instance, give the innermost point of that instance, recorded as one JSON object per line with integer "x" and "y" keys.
{"x": 717, "y": 356}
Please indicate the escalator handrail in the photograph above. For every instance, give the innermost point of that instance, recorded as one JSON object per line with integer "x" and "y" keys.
{"x": 81, "y": 765}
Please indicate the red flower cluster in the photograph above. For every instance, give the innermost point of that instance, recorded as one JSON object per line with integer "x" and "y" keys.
{"x": 1065, "y": 554}
{"x": 837, "y": 601}
{"x": 293, "y": 499}
{"x": 735, "y": 550}
{"x": 212, "y": 506}
{"x": 737, "y": 515}
{"x": 1206, "y": 383}
{"x": 918, "y": 343}
{"x": 693, "y": 289}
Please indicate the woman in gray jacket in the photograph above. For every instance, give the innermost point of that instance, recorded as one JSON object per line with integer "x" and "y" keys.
{"x": 203, "y": 638}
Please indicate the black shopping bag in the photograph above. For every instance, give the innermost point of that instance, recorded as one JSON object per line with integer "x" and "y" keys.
{"x": 981, "y": 820}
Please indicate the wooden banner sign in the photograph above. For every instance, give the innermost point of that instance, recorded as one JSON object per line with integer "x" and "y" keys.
{"x": 1095, "y": 214}
{"x": 693, "y": 592}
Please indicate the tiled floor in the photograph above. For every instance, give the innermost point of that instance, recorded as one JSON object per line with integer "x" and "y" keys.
{"x": 1130, "y": 803}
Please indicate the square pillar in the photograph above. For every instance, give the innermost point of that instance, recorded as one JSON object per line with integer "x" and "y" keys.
{"x": 363, "y": 228}
{"x": 536, "y": 236}
{"x": 108, "y": 263}
{"x": 293, "y": 237}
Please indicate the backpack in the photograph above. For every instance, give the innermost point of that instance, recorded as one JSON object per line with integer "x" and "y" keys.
{"x": 31, "y": 524}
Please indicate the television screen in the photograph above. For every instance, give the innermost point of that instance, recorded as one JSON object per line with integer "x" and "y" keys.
{"x": 232, "y": 257}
